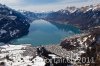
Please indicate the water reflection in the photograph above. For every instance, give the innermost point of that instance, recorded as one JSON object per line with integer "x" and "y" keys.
{"x": 42, "y": 32}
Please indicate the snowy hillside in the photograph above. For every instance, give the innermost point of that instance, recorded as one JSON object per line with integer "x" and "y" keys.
{"x": 12, "y": 24}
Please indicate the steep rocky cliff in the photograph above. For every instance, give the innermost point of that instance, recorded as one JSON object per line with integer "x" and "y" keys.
{"x": 12, "y": 24}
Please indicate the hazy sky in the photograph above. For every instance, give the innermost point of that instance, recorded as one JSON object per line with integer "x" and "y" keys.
{"x": 46, "y": 5}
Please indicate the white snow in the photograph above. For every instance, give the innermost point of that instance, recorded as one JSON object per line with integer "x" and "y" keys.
{"x": 84, "y": 39}
{"x": 10, "y": 12}
{"x": 2, "y": 31}
{"x": 12, "y": 17}
{"x": 12, "y": 47}
{"x": 80, "y": 41}
{"x": 14, "y": 32}
{"x": 38, "y": 61}
{"x": 15, "y": 53}
{"x": 81, "y": 52}
{"x": 53, "y": 56}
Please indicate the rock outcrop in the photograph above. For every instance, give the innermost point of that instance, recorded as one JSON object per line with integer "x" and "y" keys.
{"x": 26, "y": 55}
{"x": 89, "y": 43}
{"x": 19, "y": 55}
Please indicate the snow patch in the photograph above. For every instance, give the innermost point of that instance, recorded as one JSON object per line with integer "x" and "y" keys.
{"x": 3, "y": 31}
{"x": 12, "y": 47}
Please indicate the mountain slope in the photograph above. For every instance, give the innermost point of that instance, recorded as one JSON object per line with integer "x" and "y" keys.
{"x": 89, "y": 43}
{"x": 12, "y": 24}
{"x": 84, "y": 17}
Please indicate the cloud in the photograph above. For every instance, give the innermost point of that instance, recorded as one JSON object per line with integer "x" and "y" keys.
{"x": 46, "y": 5}
{"x": 43, "y": 8}
{"x": 39, "y": 2}
{"x": 10, "y": 2}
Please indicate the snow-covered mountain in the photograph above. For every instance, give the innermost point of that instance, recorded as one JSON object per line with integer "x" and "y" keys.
{"x": 84, "y": 17}
{"x": 33, "y": 15}
{"x": 30, "y": 15}
{"x": 12, "y": 24}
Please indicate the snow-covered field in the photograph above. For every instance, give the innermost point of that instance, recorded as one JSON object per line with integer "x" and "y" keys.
{"x": 20, "y": 55}
{"x": 12, "y": 55}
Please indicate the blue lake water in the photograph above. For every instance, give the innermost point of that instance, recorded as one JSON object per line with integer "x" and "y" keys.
{"x": 42, "y": 32}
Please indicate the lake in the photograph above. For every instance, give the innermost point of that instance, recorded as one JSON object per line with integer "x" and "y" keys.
{"x": 42, "y": 32}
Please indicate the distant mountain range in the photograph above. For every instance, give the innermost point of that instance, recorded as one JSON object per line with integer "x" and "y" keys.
{"x": 34, "y": 16}
{"x": 13, "y": 24}
{"x": 84, "y": 17}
